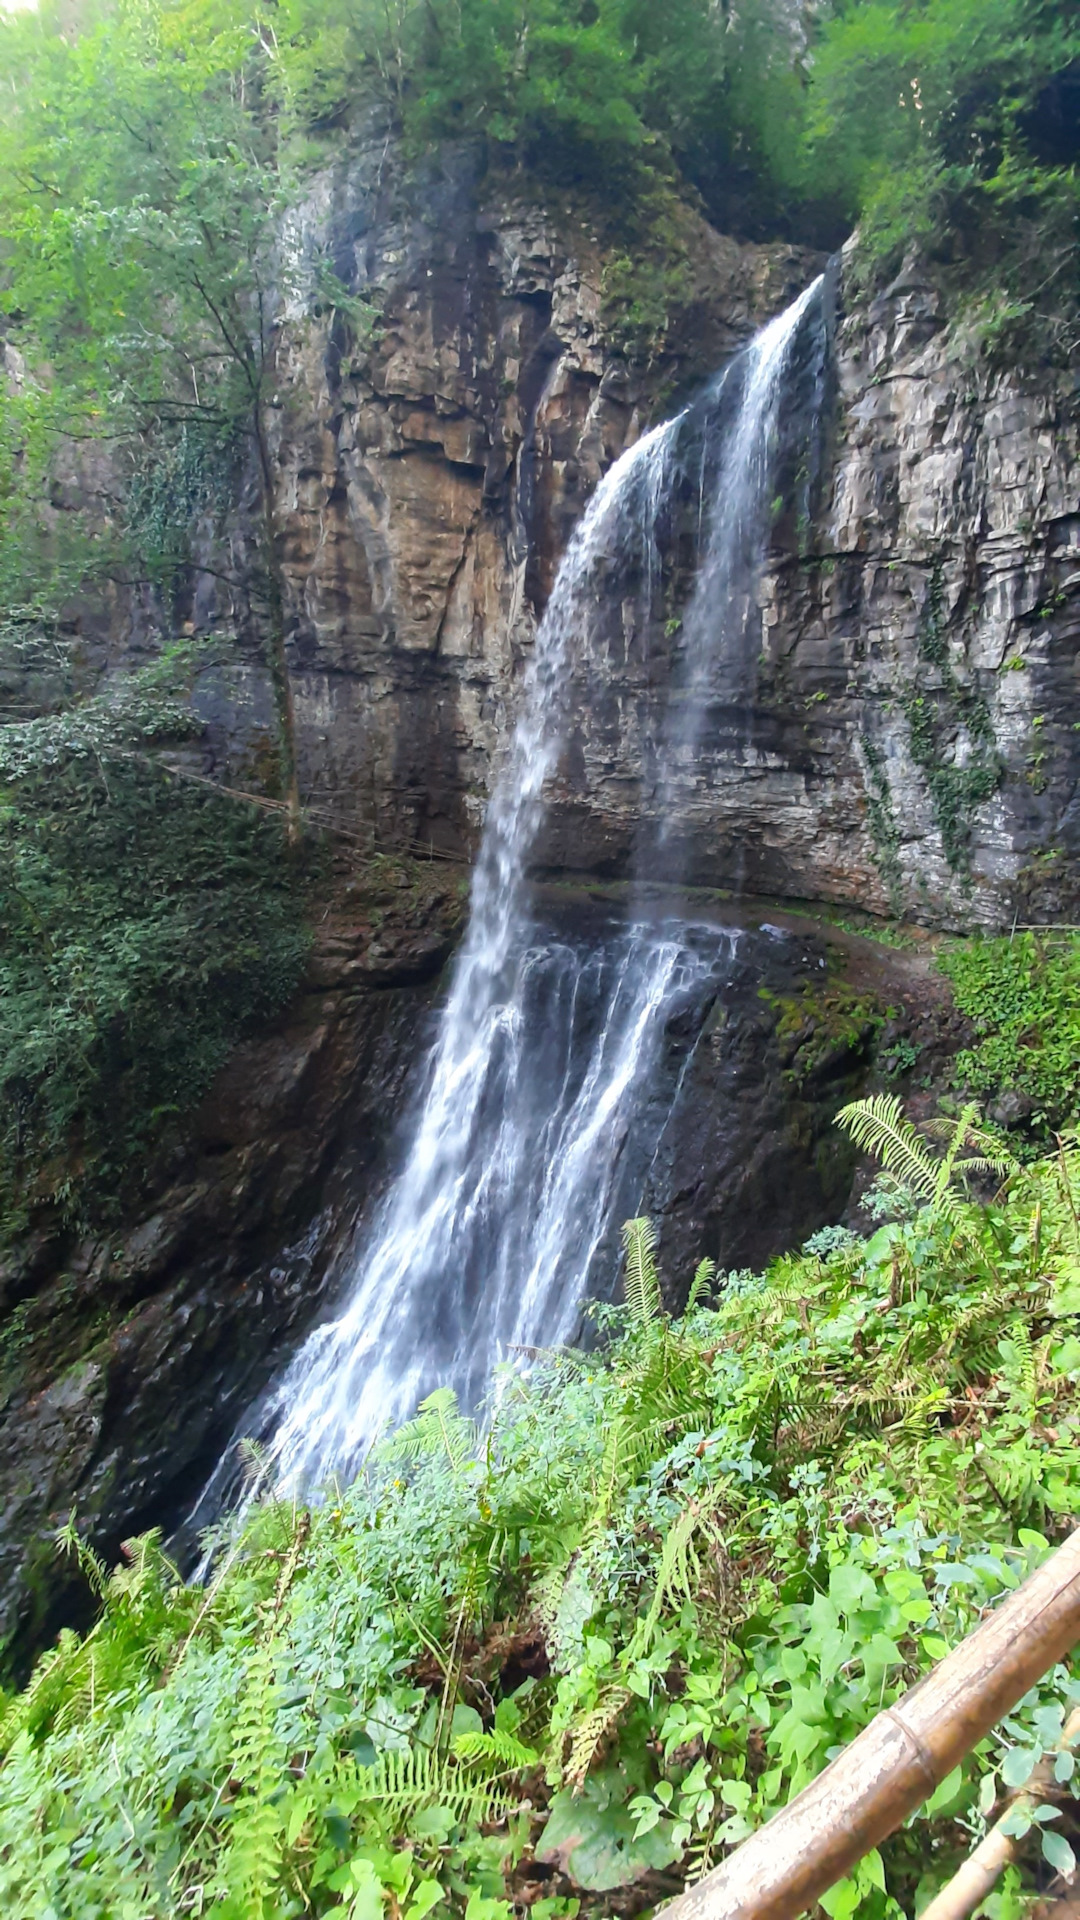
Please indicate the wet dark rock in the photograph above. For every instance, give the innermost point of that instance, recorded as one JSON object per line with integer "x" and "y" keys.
{"x": 751, "y": 1162}
{"x": 130, "y": 1356}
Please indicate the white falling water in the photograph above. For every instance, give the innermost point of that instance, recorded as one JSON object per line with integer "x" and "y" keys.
{"x": 736, "y": 424}
{"x": 486, "y": 1241}
{"x": 719, "y": 619}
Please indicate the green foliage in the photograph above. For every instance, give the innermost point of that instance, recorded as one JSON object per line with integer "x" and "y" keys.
{"x": 878, "y": 1126}
{"x": 881, "y": 814}
{"x": 715, "y": 1548}
{"x": 146, "y": 923}
{"x": 820, "y": 1024}
{"x": 640, "y": 1279}
{"x": 952, "y": 742}
{"x": 1023, "y": 995}
{"x": 183, "y": 472}
{"x": 644, "y": 287}
{"x": 141, "y": 284}
{"x": 257, "y": 1763}
{"x": 956, "y": 791}
{"x": 933, "y": 116}
{"x": 143, "y": 269}
{"x": 949, "y": 715}
{"x": 612, "y": 94}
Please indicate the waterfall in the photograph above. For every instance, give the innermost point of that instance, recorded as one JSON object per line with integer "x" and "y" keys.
{"x": 524, "y": 1151}
{"x": 719, "y": 630}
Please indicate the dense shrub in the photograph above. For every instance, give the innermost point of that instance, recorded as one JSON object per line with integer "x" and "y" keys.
{"x": 615, "y": 1629}
{"x": 916, "y": 116}
{"x": 1023, "y": 996}
{"x": 931, "y": 116}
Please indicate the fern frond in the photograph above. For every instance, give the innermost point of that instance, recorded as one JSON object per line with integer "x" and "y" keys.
{"x": 499, "y": 1748}
{"x": 1067, "y": 1186}
{"x": 992, "y": 1149}
{"x": 258, "y": 1762}
{"x": 90, "y": 1564}
{"x": 655, "y": 1400}
{"x": 641, "y": 1281}
{"x": 44, "y": 1691}
{"x": 700, "y": 1284}
{"x": 678, "y": 1574}
{"x": 400, "y": 1783}
{"x": 438, "y": 1429}
{"x": 590, "y": 1733}
{"x": 256, "y": 1465}
{"x": 473, "y": 1587}
{"x": 952, "y": 1150}
{"x": 879, "y": 1126}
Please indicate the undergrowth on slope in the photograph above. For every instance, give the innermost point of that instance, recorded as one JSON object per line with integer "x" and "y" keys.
{"x": 593, "y": 1645}
{"x": 1023, "y": 996}
{"x": 147, "y": 922}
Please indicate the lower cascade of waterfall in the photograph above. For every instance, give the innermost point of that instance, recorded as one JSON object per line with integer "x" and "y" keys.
{"x": 529, "y": 1149}
{"x": 560, "y": 1051}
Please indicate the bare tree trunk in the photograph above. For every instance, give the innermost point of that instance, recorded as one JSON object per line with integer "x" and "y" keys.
{"x": 276, "y": 655}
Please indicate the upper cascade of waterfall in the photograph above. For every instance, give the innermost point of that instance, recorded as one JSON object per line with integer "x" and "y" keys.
{"x": 737, "y": 456}
{"x": 488, "y": 1240}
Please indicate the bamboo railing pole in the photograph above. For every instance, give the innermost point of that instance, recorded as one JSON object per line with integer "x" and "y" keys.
{"x": 973, "y": 1880}
{"x": 899, "y": 1759}
{"x": 977, "y": 1877}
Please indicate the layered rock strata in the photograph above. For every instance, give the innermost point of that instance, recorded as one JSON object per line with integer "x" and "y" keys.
{"x": 912, "y": 740}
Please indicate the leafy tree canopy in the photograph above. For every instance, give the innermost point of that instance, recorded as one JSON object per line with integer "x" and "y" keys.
{"x": 794, "y": 112}
{"x": 954, "y": 124}
{"x": 148, "y": 149}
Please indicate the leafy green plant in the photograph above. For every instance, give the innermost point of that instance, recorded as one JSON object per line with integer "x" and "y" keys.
{"x": 1022, "y": 994}
{"x": 878, "y": 1126}
{"x": 884, "y": 828}
{"x": 932, "y": 115}
{"x": 143, "y": 278}
{"x": 614, "y": 1628}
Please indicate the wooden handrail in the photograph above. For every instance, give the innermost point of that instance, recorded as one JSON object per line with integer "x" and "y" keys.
{"x": 899, "y": 1759}
{"x": 981, "y": 1870}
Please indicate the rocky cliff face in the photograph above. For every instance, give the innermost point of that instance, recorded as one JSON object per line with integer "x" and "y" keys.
{"x": 920, "y": 692}
{"x": 126, "y": 1356}
{"x": 912, "y": 743}
{"x": 429, "y": 479}
{"x": 910, "y": 740}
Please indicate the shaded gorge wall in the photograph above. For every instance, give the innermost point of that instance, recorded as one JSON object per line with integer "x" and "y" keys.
{"x": 907, "y": 738}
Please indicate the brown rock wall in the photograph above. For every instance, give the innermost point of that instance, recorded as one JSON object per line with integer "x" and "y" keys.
{"x": 429, "y": 480}
{"x": 912, "y": 742}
